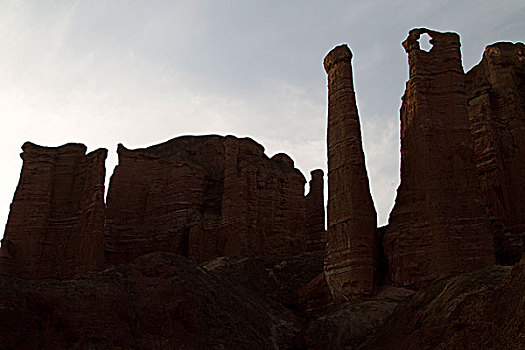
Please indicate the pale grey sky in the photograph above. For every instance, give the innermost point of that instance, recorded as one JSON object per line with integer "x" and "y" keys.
{"x": 141, "y": 72}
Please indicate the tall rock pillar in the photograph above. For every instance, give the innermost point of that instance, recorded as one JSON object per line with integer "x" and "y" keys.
{"x": 496, "y": 93}
{"x": 350, "y": 260}
{"x": 438, "y": 225}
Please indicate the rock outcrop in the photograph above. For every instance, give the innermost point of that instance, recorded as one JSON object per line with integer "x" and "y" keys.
{"x": 438, "y": 226}
{"x": 56, "y": 223}
{"x": 484, "y": 309}
{"x": 496, "y": 93}
{"x": 205, "y": 197}
{"x": 162, "y": 301}
{"x": 351, "y": 246}
{"x": 315, "y": 215}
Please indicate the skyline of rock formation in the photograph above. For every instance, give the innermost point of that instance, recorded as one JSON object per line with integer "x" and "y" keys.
{"x": 208, "y": 196}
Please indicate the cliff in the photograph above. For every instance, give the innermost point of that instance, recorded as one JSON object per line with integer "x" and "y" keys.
{"x": 496, "y": 109}
{"x": 204, "y": 197}
{"x": 56, "y": 223}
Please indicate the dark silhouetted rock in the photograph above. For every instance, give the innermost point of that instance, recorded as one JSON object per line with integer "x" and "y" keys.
{"x": 56, "y": 223}
{"x": 161, "y": 302}
{"x": 351, "y": 249}
{"x": 315, "y": 216}
{"x": 278, "y": 280}
{"x": 484, "y": 309}
{"x": 355, "y": 324}
{"x": 205, "y": 197}
{"x": 438, "y": 226}
{"x": 496, "y": 92}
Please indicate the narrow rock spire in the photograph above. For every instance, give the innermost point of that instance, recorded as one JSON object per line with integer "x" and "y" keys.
{"x": 350, "y": 260}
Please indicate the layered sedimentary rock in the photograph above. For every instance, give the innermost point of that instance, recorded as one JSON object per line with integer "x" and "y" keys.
{"x": 315, "y": 215}
{"x": 438, "y": 226}
{"x": 351, "y": 249}
{"x": 204, "y": 197}
{"x": 56, "y": 223}
{"x": 496, "y": 93}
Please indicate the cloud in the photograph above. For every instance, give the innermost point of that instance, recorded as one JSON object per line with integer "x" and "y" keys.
{"x": 139, "y": 73}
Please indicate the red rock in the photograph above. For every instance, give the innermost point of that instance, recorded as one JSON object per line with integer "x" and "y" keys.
{"x": 56, "y": 223}
{"x": 205, "y": 197}
{"x": 496, "y": 95}
{"x": 351, "y": 248}
{"x": 438, "y": 226}
{"x": 315, "y": 216}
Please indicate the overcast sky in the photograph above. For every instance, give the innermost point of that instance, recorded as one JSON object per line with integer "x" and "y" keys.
{"x": 142, "y": 72}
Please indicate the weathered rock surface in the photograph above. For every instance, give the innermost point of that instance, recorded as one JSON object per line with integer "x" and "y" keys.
{"x": 479, "y": 310}
{"x": 161, "y": 302}
{"x": 496, "y": 93}
{"x": 56, "y": 223}
{"x": 205, "y": 197}
{"x": 355, "y": 324}
{"x": 351, "y": 249}
{"x": 438, "y": 226}
{"x": 315, "y": 215}
{"x": 279, "y": 280}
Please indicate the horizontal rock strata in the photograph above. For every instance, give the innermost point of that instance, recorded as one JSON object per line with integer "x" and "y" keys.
{"x": 56, "y": 223}
{"x": 351, "y": 249}
{"x": 438, "y": 226}
{"x": 204, "y": 197}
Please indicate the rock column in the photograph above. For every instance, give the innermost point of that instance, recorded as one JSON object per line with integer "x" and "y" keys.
{"x": 350, "y": 260}
{"x": 56, "y": 223}
{"x": 438, "y": 225}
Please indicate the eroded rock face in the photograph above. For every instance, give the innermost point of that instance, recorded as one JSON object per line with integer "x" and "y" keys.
{"x": 351, "y": 249}
{"x": 438, "y": 226}
{"x": 496, "y": 95}
{"x": 315, "y": 216}
{"x": 204, "y": 197}
{"x": 56, "y": 223}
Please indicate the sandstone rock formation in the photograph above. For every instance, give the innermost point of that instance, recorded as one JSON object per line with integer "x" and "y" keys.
{"x": 438, "y": 226}
{"x": 56, "y": 223}
{"x": 496, "y": 94}
{"x": 204, "y": 197}
{"x": 315, "y": 215}
{"x": 351, "y": 248}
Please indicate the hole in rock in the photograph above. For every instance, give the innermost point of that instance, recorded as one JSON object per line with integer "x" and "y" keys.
{"x": 424, "y": 42}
